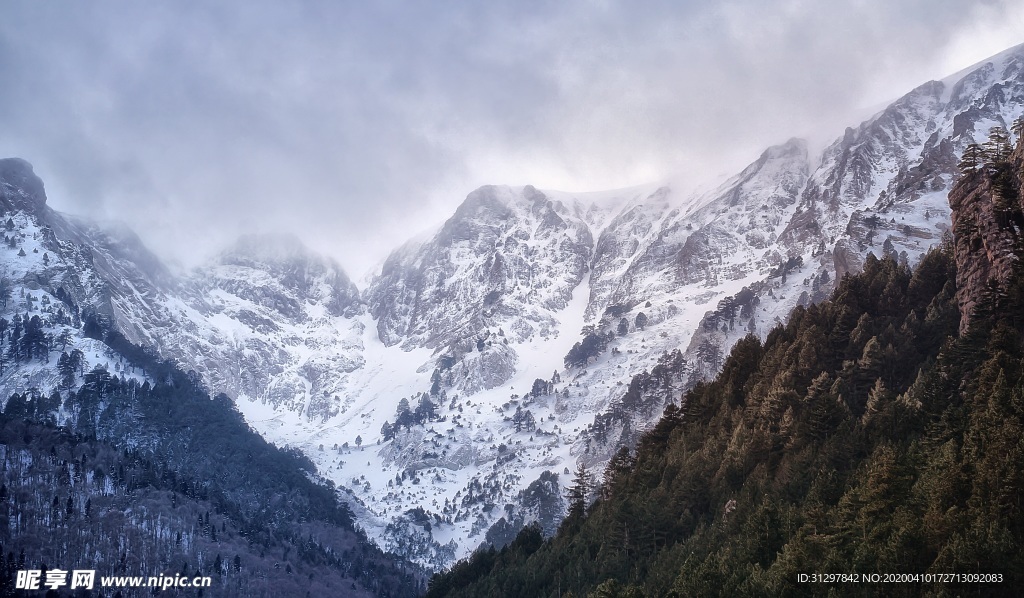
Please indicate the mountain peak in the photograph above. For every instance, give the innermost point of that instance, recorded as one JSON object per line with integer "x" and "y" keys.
{"x": 288, "y": 262}
{"x": 792, "y": 148}
{"x": 267, "y": 248}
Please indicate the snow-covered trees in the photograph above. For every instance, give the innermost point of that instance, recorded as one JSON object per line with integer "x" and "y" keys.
{"x": 523, "y": 420}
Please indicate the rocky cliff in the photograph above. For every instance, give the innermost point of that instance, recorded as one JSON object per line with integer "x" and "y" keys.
{"x": 988, "y": 224}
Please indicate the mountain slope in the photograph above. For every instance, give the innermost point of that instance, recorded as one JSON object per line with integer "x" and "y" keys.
{"x": 866, "y": 436}
{"x": 102, "y": 438}
{"x": 535, "y": 329}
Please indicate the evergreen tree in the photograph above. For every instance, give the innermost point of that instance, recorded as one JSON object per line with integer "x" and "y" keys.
{"x": 972, "y": 159}
{"x": 6, "y": 290}
{"x": 997, "y": 149}
{"x": 592, "y": 345}
{"x": 1018, "y": 128}
{"x": 889, "y": 250}
{"x": 425, "y": 410}
{"x": 523, "y": 420}
{"x": 579, "y": 492}
{"x": 63, "y": 339}
{"x": 77, "y": 361}
{"x": 617, "y": 471}
{"x": 435, "y": 382}
{"x": 15, "y": 346}
{"x": 403, "y": 415}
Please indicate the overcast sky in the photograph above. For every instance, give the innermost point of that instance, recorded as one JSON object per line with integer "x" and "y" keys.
{"x": 358, "y": 124}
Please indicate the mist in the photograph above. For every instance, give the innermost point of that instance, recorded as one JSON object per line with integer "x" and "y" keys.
{"x": 358, "y": 125}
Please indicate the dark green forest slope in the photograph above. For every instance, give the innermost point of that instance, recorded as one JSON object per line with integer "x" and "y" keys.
{"x": 151, "y": 478}
{"x": 870, "y": 434}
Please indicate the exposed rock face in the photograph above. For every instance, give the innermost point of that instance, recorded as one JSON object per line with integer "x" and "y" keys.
{"x": 987, "y": 227}
{"x": 496, "y": 273}
{"x": 269, "y": 320}
{"x": 302, "y": 276}
{"x": 504, "y": 249}
{"x": 20, "y": 188}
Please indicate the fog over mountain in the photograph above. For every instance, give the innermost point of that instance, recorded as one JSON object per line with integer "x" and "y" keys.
{"x": 355, "y": 125}
{"x": 535, "y": 331}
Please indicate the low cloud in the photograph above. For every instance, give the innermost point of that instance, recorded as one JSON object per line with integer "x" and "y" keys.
{"x": 355, "y": 125}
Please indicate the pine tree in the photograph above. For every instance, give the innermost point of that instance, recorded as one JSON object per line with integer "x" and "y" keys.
{"x": 888, "y": 249}
{"x": 578, "y": 494}
{"x": 14, "y": 347}
{"x": 616, "y": 472}
{"x": 1018, "y": 128}
{"x": 997, "y": 148}
{"x": 523, "y": 420}
{"x": 435, "y": 383}
{"x": 425, "y": 410}
{"x": 972, "y": 159}
{"x": 78, "y": 361}
{"x": 63, "y": 339}
{"x": 878, "y": 400}
{"x": 6, "y": 289}
{"x": 403, "y": 415}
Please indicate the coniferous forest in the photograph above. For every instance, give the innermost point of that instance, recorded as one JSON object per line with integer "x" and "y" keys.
{"x": 871, "y": 434}
{"x": 147, "y": 478}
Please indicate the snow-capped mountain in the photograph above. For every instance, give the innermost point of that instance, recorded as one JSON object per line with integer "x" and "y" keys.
{"x": 453, "y": 396}
{"x": 270, "y": 321}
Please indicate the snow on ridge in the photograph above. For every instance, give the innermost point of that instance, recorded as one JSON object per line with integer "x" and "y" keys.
{"x": 997, "y": 61}
{"x": 476, "y": 312}
{"x": 643, "y": 259}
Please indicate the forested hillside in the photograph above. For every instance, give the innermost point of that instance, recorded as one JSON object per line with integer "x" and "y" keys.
{"x": 146, "y": 478}
{"x": 867, "y": 435}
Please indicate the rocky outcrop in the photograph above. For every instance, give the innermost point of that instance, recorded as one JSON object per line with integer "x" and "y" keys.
{"x": 508, "y": 258}
{"x": 988, "y": 222}
{"x": 20, "y": 188}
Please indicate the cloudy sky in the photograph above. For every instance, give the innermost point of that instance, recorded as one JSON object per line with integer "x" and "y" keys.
{"x": 358, "y": 124}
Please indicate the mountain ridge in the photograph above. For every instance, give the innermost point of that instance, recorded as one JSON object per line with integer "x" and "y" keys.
{"x": 879, "y": 429}
{"x": 479, "y": 316}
